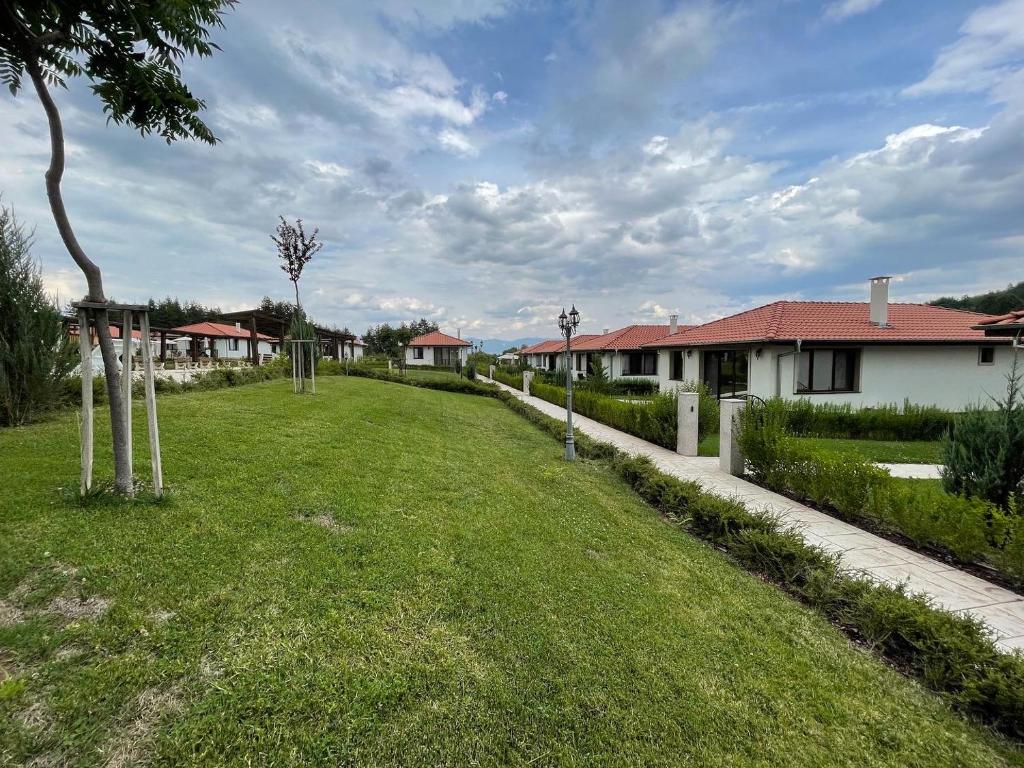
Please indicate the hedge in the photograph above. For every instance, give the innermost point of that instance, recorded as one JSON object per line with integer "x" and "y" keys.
{"x": 952, "y": 654}
{"x": 888, "y": 422}
{"x": 509, "y": 379}
{"x": 852, "y": 488}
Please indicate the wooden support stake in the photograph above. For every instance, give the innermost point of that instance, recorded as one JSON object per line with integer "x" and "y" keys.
{"x": 150, "y": 386}
{"x": 85, "y": 431}
{"x": 126, "y": 383}
{"x": 312, "y": 364}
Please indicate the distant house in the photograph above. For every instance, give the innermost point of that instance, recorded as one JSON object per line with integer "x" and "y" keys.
{"x": 544, "y": 355}
{"x": 622, "y": 351}
{"x": 508, "y": 359}
{"x": 221, "y": 341}
{"x": 861, "y": 353}
{"x": 355, "y": 350}
{"x": 437, "y": 348}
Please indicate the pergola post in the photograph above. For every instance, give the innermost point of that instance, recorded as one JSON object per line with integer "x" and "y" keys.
{"x": 195, "y": 347}
{"x": 163, "y": 344}
{"x": 254, "y": 344}
{"x": 85, "y": 349}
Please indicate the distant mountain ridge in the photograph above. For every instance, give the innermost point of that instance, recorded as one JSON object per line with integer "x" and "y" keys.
{"x": 497, "y": 346}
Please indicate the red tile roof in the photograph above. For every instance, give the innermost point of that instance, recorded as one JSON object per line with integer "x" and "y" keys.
{"x": 1008, "y": 323}
{"x": 438, "y": 339}
{"x": 847, "y": 321}
{"x": 630, "y": 337}
{"x": 544, "y": 347}
{"x": 219, "y": 331}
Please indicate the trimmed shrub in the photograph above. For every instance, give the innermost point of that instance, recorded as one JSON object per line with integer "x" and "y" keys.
{"x": 471, "y": 371}
{"x": 509, "y": 378}
{"x": 655, "y": 420}
{"x": 632, "y": 386}
{"x": 888, "y": 422}
{"x": 854, "y": 489}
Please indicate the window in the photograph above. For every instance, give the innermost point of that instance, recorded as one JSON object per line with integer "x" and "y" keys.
{"x": 725, "y": 372}
{"x": 417, "y": 353}
{"x": 675, "y": 368}
{"x": 826, "y": 370}
{"x": 640, "y": 364}
{"x": 233, "y": 345}
{"x": 986, "y": 355}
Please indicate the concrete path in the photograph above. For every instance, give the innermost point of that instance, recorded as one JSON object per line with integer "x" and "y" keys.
{"x": 914, "y": 471}
{"x": 950, "y": 588}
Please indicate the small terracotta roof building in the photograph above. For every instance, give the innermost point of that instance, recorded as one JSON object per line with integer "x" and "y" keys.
{"x": 436, "y": 348}
{"x": 438, "y": 339}
{"x": 1010, "y": 324}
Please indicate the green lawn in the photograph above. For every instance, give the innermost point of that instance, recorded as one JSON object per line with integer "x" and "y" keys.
{"x": 886, "y": 451}
{"x": 384, "y": 575}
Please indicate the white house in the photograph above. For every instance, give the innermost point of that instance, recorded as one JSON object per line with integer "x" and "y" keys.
{"x": 221, "y": 341}
{"x": 861, "y": 353}
{"x": 621, "y": 351}
{"x": 437, "y": 348}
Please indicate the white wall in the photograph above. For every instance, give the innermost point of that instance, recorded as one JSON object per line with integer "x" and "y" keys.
{"x": 947, "y": 376}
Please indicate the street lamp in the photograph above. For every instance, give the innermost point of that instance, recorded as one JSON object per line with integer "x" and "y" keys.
{"x": 568, "y": 324}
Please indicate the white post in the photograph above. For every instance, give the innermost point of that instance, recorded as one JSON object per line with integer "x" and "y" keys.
{"x": 527, "y": 380}
{"x": 730, "y": 458}
{"x": 687, "y": 438}
{"x": 85, "y": 432}
{"x": 389, "y": 363}
{"x": 126, "y": 384}
{"x": 490, "y": 371}
{"x": 150, "y": 388}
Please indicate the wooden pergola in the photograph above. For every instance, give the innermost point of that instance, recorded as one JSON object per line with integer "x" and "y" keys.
{"x": 256, "y": 321}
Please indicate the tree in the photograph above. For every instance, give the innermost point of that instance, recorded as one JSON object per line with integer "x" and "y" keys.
{"x": 130, "y": 52}
{"x": 295, "y": 251}
{"x": 385, "y": 339}
{"x": 36, "y": 355}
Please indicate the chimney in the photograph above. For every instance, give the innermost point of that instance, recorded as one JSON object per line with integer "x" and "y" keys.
{"x": 238, "y": 326}
{"x": 880, "y": 301}
{"x": 458, "y": 333}
{"x": 606, "y": 331}
{"x": 673, "y": 324}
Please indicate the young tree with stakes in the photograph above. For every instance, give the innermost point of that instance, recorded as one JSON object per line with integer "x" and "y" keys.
{"x": 130, "y": 52}
{"x": 295, "y": 250}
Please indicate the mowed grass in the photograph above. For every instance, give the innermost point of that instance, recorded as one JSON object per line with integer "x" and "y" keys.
{"x": 384, "y": 575}
{"x": 884, "y": 451}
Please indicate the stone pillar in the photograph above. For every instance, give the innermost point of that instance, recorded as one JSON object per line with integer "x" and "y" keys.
{"x": 686, "y": 440}
{"x": 490, "y": 371}
{"x": 389, "y": 363}
{"x": 730, "y": 458}
{"x": 527, "y": 380}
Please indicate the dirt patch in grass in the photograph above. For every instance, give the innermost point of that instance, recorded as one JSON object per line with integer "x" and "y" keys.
{"x": 36, "y": 717}
{"x": 324, "y": 520}
{"x": 161, "y": 617}
{"x": 10, "y": 614}
{"x": 130, "y": 743}
{"x": 78, "y": 609}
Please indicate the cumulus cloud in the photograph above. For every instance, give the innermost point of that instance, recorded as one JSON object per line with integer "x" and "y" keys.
{"x": 989, "y": 50}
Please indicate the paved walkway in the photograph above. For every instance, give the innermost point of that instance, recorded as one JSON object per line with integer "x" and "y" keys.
{"x": 914, "y": 471}
{"x": 951, "y": 588}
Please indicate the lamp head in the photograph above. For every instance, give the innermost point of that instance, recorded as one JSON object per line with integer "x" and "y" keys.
{"x": 562, "y": 319}
{"x": 574, "y": 317}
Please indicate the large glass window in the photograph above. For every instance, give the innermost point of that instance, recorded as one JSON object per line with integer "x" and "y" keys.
{"x": 417, "y": 353}
{"x": 676, "y": 365}
{"x": 725, "y": 372}
{"x": 826, "y": 370}
{"x": 640, "y": 364}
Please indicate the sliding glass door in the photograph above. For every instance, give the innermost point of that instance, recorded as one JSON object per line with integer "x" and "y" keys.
{"x": 726, "y": 372}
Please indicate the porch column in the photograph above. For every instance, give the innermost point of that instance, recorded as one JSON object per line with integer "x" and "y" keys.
{"x": 730, "y": 457}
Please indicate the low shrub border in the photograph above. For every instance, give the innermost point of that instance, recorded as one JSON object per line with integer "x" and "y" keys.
{"x": 509, "y": 379}
{"x": 949, "y": 653}
{"x": 888, "y": 422}
{"x": 971, "y": 531}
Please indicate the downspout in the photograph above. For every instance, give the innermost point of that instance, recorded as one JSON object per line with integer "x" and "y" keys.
{"x": 778, "y": 368}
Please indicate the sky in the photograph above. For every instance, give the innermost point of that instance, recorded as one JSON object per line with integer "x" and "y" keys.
{"x": 482, "y": 163}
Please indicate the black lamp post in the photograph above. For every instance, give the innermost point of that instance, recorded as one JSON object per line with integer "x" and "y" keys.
{"x": 568, "y": 324}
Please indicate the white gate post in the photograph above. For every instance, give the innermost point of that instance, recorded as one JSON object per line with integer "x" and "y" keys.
{"x": 687, "y": 439}
{"x": 527, "y": 380}
{"x": 730, "y": 457}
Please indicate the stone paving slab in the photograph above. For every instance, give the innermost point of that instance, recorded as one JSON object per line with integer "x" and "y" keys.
{"x": 950, "y": 588}
{"x": 913, "y": 471}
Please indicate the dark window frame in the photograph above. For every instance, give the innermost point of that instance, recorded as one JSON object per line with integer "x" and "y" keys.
{"x": 630, "y": 359}
{"x": 853, "y": 368}
{"x": 675, "y": 365}
{"x": 989, "y": 352}
{"x": 417, "y": 353}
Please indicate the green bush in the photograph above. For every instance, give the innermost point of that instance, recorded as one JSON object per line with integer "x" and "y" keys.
{"x": 509, "y": 378}
{"x": 889, "y": 422}
{"x": 36, "y": 355}
{"x": 983, "y": 455}
{"x": 632, "y": 386}
{"x": 952, "y": 654}
{"x": 471, "y": 371}
{"x": 854, "y": 489}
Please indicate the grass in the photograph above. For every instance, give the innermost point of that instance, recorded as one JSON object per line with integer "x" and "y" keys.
{"x": 382, "y": 575}
{"x": 884, "y": 451}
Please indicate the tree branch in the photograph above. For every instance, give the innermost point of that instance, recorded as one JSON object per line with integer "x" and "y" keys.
{"x": 54, "y": 174}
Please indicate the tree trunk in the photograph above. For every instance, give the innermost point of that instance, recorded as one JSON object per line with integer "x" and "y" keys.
{"x": 299, "y": 351}
{"x": 94, "y": 280}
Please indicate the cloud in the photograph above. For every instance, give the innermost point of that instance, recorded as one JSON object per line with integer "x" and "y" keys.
{"x": 457, "y": 143}
{"x": 989, "y": 50}
{"x": 844, "y": 9}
